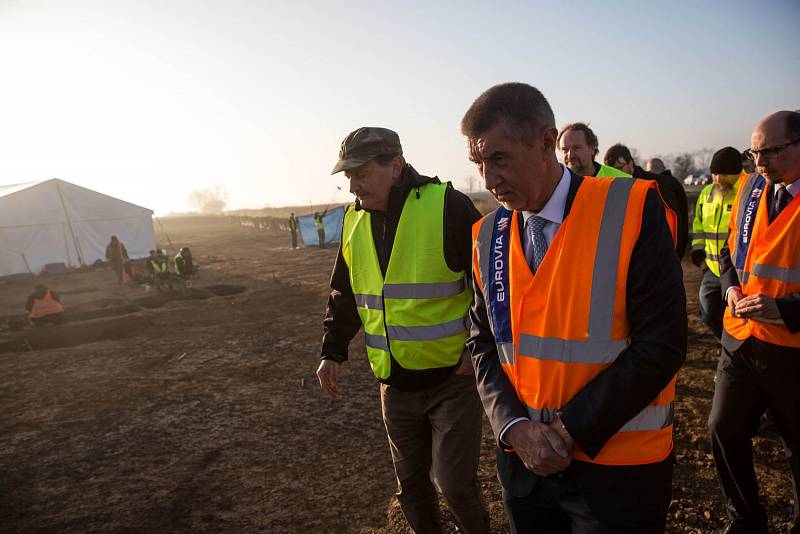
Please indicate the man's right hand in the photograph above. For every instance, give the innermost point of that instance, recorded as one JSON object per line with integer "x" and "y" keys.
{"x": 734, "y": 296}
{"x": 326, "y": 374}
{"x": 540, "y": 447}
{"x": 698, "y": 257}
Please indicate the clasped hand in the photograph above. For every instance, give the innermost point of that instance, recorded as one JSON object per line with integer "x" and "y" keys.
{"x": 542, "y": 448}
{"x": 756, "y": 307}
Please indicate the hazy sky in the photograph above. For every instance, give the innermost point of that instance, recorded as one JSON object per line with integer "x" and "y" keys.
{"x": 148, "y": 100}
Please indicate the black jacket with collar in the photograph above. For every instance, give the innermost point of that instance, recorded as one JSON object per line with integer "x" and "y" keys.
{"x": 342, "y": 322}
{"x": 674, "y": 196}
{"x": 656, "y": 307}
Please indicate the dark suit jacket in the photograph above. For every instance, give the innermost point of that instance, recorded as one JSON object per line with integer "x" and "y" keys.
{"x": 788, "y": 305}
{"x": 656, "y": 304}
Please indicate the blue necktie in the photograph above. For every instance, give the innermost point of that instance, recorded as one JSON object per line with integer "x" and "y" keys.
{"x": 537, "y": 244}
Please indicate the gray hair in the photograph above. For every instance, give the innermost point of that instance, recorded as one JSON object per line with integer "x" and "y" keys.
{"x": 656, "y": 165}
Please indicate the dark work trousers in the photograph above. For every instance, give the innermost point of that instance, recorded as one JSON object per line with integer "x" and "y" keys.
{"x": 119, "y": 268}
{"x": 294, "y": 238}
{"x": 712, "y": 305}
{"x": 756, "y": 376}
{"x": 556, "y": 506}
{"x": 321, "y": 236}
{"x": 435, "y": 438}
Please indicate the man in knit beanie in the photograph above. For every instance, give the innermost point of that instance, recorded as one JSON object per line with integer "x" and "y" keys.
{"x": 710, "y": 230}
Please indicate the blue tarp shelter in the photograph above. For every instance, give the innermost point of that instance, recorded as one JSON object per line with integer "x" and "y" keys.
{"x": 333, "y": 227}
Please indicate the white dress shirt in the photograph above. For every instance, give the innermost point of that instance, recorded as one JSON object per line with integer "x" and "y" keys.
{"x": 793, "y": 188}
{"x": 553, "y": 211}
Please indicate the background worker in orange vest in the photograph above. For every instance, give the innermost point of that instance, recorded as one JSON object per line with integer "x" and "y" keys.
{"x": 44, "y": 306}
{"x": 117, "y": 254}
{"x": 578, "y": 328}
{"x": 760, "y": 362}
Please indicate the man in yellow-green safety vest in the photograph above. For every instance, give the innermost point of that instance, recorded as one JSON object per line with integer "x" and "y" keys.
{"x": 578, "y": 146}
{"x": 710, "y": 231}
{"x": 401, "y": 274}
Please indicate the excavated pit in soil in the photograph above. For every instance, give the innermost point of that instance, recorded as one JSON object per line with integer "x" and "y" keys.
{"x": 106, "y": 323}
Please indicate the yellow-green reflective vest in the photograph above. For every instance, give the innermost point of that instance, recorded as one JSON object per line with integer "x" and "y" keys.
{"x": 418, "y": 313}
{"x": 710, "y": 225}
{"x": 318, "y": 224}
{"x": 177, "y": 262}
{"x": 607, "y": 171}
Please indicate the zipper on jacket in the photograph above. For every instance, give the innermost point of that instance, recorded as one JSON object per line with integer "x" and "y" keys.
{"x": 383, "y": 297}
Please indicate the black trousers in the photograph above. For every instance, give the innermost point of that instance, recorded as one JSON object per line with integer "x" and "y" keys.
{"x": 626, "y": 499}
{"x": 756, "y": 376}
{"x": 712, "y": 306}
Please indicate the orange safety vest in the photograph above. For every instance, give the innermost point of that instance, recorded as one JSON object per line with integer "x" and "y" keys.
{"x": 45, "y": 306}
{"x": 766, "y": 256}
{"x": 558, "y": 329}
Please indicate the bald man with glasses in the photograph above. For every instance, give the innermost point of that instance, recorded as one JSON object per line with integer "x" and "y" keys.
{"x": 760, "y": 362}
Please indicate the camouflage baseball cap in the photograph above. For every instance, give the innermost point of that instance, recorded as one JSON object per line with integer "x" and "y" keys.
{"x": 365, "y": 144}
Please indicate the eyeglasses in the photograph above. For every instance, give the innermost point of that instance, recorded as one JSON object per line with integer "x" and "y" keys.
{"x": 768, "y": 153}
{"x": 617, "y": 163}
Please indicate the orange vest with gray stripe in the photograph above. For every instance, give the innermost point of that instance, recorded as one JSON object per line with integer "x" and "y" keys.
{"x": 766, "y": 256}
{"x": 559, "y": 328}
{"x": 45, "y": 306}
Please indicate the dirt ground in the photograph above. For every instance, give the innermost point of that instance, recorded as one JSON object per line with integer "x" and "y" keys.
{"x": 198, "y": 411}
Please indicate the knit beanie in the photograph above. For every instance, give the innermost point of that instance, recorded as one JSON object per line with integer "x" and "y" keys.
{"x": 726, "y": 160}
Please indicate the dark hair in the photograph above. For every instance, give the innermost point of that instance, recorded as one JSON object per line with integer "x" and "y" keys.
{"x": 520, "y": 109}
{"x": 591, "y": 138}
{"x": 615, "y": 152}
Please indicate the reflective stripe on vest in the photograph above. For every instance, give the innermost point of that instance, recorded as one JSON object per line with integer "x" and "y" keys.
{"x": 651, "y": 418}
{"x": 766, "y": 256}
{"x": 45, "y": 306}
{"x": 417, "y": 314}
{"x": 560, "y": 339}
{"x": 607, "y": 171}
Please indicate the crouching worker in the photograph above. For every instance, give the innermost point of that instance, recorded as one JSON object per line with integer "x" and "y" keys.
{"x": 44, "y": 306}
{"x": 151, "y": 269}
{"x": 184, "y": 267}
{"x": 160, "y": 266}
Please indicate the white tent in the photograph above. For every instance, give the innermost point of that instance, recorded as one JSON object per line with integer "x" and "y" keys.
{"x": 55, "y": 221}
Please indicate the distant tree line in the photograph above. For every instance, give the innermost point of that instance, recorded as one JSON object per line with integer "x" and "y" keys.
{"x": 208, "y": 201}
{"x": 683, "y": 164}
